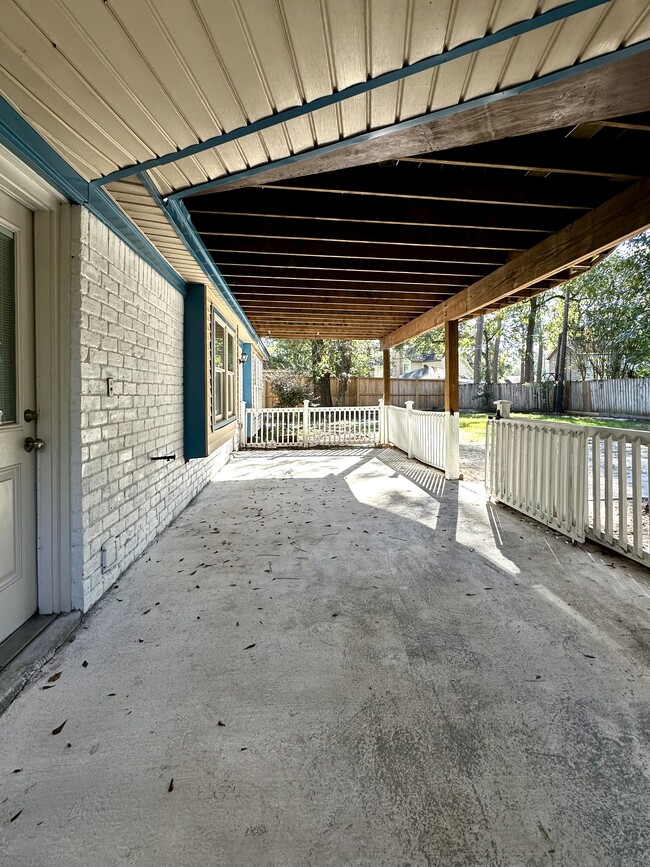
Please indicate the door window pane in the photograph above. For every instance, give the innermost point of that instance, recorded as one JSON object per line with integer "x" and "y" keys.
{"x": 7, "y": 329}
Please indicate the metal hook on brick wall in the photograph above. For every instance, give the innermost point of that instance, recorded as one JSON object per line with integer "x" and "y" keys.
{"x": 163, "y": 458}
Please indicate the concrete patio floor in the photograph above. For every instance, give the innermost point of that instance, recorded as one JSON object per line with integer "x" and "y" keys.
{"x": 339, "y": 659}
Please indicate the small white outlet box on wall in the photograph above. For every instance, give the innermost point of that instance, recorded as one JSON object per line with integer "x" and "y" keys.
{"x": 109, "y": 554}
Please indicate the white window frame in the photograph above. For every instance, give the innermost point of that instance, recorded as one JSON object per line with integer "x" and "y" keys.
{"x": 222, "y": 410}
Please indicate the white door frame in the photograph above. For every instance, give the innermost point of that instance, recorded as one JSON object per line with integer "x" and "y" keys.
{"x": 52, "y": 253}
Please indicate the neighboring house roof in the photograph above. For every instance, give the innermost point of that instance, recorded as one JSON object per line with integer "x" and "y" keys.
{"x": 428, "y": 371}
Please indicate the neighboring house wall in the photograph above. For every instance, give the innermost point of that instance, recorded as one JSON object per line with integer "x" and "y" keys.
{"x": 127, "y": 323}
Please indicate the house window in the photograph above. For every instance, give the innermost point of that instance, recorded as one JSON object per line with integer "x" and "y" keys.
{"x": 222, "y": 358}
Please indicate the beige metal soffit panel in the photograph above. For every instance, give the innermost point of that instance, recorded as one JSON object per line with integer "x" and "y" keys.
{"x": 116, "y": 83}
{"x": 141, "y": 209}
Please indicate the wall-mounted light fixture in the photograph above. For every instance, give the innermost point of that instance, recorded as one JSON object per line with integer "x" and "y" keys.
{"x": 243, "y": 358}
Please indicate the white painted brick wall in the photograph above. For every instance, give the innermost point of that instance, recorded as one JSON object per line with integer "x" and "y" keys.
{"x": 127, "y": 323}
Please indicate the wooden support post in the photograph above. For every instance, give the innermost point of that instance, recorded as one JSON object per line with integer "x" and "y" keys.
{"x": 386, "y": 357}
{"x": 452, "y": 401}
{"x": 451, "y": 366}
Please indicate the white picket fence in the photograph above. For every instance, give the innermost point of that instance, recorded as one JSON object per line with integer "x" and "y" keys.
{"x": 309, "y": 427}
{"x": 430, "y": 437}
{"x": 584, "y": 481}
{"x": 422, "y": 435}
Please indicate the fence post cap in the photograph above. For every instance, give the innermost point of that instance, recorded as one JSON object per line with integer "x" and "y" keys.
{"x": 409, "y": 404}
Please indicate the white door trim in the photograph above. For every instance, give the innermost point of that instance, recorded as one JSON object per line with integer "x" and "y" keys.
{"x": 52, "y": 321}
{"x": 52, "y": 251}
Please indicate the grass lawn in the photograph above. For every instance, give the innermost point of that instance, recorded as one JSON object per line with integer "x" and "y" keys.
{"x": 472, "y": 424}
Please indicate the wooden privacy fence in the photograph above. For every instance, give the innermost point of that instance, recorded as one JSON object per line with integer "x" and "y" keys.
{"x": 367, "y": 390}
{"x": 614, "y": 397}
{"x": 585, "y": 481}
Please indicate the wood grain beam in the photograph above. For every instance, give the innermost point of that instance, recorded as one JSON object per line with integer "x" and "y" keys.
{"x": 619, "y": 87}
{"x": 620, "y": 218}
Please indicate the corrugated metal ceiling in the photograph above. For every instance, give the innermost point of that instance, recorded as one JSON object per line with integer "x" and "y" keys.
{"x": 114, "y": 83}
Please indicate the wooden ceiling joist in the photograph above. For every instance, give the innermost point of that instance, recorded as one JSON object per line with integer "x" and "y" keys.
{"x": 222, "y": 247}
{"x": 420, "y": 180}
{"x": 361, "y": 233}
{"x": 270, "y": 204}
{"x": 625, "y": 215}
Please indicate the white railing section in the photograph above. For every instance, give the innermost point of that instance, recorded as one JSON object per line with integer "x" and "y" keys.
{"x": 305, "y": 426}
{"x": 538, "y": 469}
{"x": 274, "y": 427}
{"x": 583, "y": 480}
{"x": 397, "y": 428}
{"x": 618, "y": 463}
{"x": 430, "y": 437}
{"x": 343, "y": 426}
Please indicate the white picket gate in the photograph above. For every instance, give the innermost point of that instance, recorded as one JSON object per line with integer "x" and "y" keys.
{"x": 422, "y": 435}
{"x": 582, "y": 480}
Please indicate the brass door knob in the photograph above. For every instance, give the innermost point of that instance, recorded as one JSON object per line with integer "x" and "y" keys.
{"x": 30, "y": 444}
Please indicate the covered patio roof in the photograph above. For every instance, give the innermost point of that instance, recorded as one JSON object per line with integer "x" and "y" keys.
{"x": 509, "y": 122}
{"x": 362, "y": 252}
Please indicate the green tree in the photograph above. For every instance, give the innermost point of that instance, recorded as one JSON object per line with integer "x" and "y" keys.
{"x": 322, "y": 359}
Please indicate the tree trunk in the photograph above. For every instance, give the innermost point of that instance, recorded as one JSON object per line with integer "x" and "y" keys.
{"x": 560, "y": 368}
{"x": 540, "y": 359}
{"x": 478, "y": 350}
{"x": 322, "y": 389}
{"x": 529, "y": 358}
{"x": 344, "y": 376}
{"x": 495, "y": 358}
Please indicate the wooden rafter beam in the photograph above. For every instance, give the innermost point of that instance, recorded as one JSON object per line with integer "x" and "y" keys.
{"x": 552, "y": 153}
{"x": 620, "y": 218}
{"x": 350, "y": 251}
{"x": 413, "y": 179}
{"x": 272, "y": 203}
{"x": 234, "y": 263}
{"x": 325, "y": 280}
{"x": 376, "y": 234}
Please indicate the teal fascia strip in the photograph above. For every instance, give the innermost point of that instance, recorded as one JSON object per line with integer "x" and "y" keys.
{"x": 544, "y": 19}
{"x": 528, "y": 86}
{"x": 25, "y": 143}
{"x": 180, "y": 219}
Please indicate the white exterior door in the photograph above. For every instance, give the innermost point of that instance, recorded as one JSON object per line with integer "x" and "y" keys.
{"x": 18, "y": 582}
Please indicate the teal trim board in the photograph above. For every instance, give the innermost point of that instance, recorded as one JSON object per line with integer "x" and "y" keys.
{"x": 195, "y": 409}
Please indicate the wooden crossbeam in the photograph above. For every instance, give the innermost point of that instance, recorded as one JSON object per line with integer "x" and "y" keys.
{"x": 620, "y": 218}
